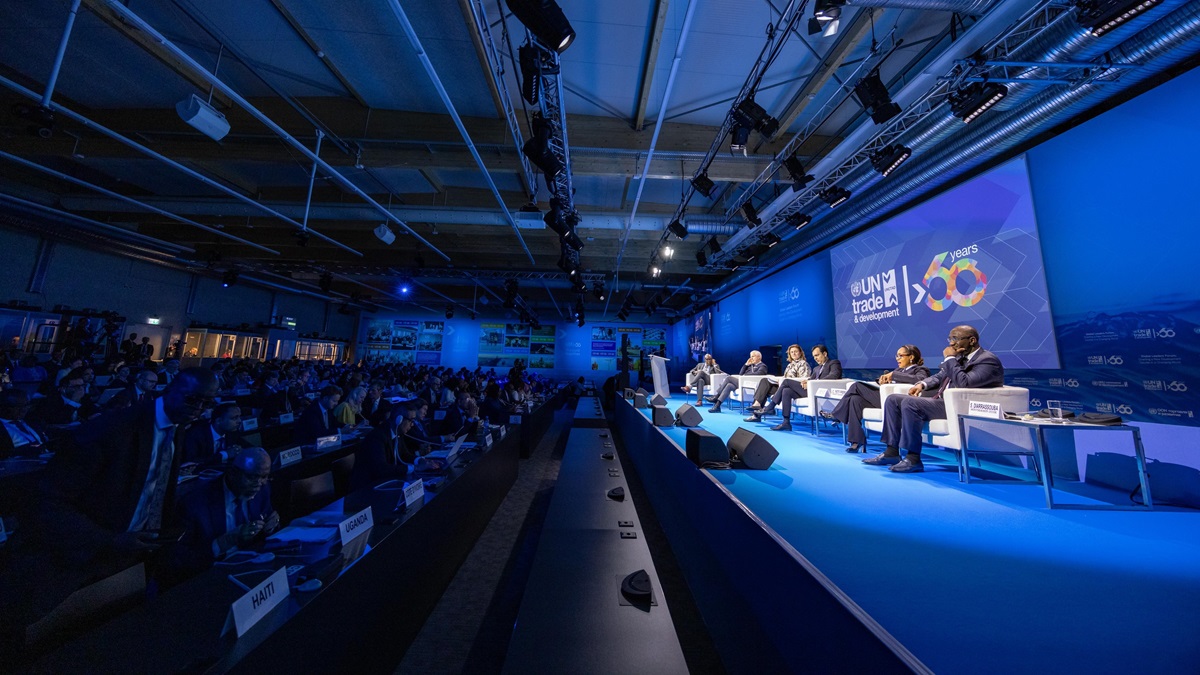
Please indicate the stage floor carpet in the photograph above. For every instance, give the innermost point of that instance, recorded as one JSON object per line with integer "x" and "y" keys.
{"x": 980, "y": 577}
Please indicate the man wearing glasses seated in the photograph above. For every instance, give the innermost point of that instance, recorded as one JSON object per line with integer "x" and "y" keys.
{"x": 965, "y": 365}
{"x": 221, "y": 515}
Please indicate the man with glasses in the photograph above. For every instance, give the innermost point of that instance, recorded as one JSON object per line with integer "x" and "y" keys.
{"x": 144, "y": 388}
{"x": 64, "y": 407}
{"x": 964, "y": 365}
{"x": 215, "y": 441}
{"x": 220, "y": 516}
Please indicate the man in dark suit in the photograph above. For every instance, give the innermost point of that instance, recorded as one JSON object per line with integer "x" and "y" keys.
{"x": 221, "y": 515}
{"x": 142, "y": 389}
{"x": 458, "y": 420}
{"x": 318, "y": 420}
{"x": 965, "y": 365}
{"x": 753, "y": 366}
{"x": 64, "y": 406}
{"x": 827, "y": 368}
{"x": 17, "y": 437}
{"x": 106, "y": 493}
{"x": 375, "y": 408}
{"x": 382, "y": 455}
{"x": 215, "y": 441}
{"x": 169, "y": 372}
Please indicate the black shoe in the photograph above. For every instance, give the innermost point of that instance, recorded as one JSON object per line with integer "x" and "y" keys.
{"x": 783, "y": 426}
{"x": 909, "y": 465}
{"x": 769, "y": 410}
{"x": 716, "y": 408}
{"x": 883, "y": 459}
{"x": 853, "y": 448}
{"x": 755, "y": 417}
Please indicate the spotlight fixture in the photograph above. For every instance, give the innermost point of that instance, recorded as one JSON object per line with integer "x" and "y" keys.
{"x": 770, "y": 239}
{"x": 384, "y": 233}
{"x": 714, "y": 246}
{"x": 598, "y": 291}
{"x": 653, "y": 270}
{"x": 545, "y": 19}
{"x": 568, "y": 260}
{"x": 667, "y": 252}
{"x": 202, "y": 117}
{"x": 976, "y": 98}
{"x": 405, "y": 288}
{"x": 531, "y": 73}
{"x": 834, "y": 196}
{"x": 874, "y": 97}
{"x": 701, "y": 259}
{"x": 799, "y": 220}
{"x": 538, "y": 149}
{"x": 302, "y": 237}
{"x": 795, "y": 169}
{"x": 571, "y": 238}
{"x": 750, "y": 214}
{"x": 229, "y": 278}
{"x": 326, "y": 282}
{"x": 579, "y": 285}
{"x": 704, "y": 184}
{"x": 739, "y": 139}
{"x": 751, "y": 115}
{"x": 578, "y": 308}
{"x": 678, "y": 229}
{"x": 827, "y": 15}
{"x": 886, "y": 159}
{"x": 1102, "y": 16}
{"x": 736, "y": 263}
{"x": 449, "y": 311}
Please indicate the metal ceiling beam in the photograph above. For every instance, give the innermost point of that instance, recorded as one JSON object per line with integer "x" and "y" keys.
{"x": 656, "y": 33}
{"x": 320, "y": 53}
{"x": 480, "y": 53}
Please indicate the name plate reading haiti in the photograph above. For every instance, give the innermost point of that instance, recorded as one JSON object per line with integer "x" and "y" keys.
{"x": 837, "y": 393}
{"x": 985, "y": 409}
{"x": 254, "y": 605}
{"x": 514, "y": 419}
{"x": 250, "y": 424}
{"x": 285, "y": 418}
{"x": 823, "y": 392}
{"x": 356, "y": 525}
{"x": 290, "y": 456}
{"x": 414, "y": 493}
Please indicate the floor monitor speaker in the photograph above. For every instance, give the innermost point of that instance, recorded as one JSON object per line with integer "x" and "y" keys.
{"x": 639, "y": 401}
{"x": 687, "y": 415}
{"x": 658, "y": 400}
{"x": 752, "y": 450}
{"x": 704, "y": 446}
{"x": 663, "y": 417}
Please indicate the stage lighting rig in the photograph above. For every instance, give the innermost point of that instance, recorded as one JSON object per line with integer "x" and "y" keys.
{"x": 799, "y": 220}
{"x": 976, "y": 98}
{"x": 538, "y": 149}
{"x": 874, "y": 97}
{"x": 795, "y": 168}
{"x": 678, "y": 229}
{"x": 887, "y": 159}
{"x": 701, "y": 259}
{"x": 545, "y": 19}
{"x": 834, "y": 196}
{"x": 1102, "y": 16}
{"x": 750, "y": 214}
{"x": 568, "y": 260}
{"x": 704, "y": 184}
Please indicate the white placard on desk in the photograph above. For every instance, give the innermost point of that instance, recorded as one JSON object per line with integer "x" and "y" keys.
{"x": 285, "y": 418}
{"x": 985, "y": 409}
{"x": 329, "y": 442}
{"x": 254, "y": 605}
{"x": 414, "y": 492}
{"x": 514, "y": 419}
{"x": 837, "y": 393}
{"x": 487, "y": 440}
{"x": 250, "y": 424}
{"x": 356, "y": 525}
{"x": 823, "y": 392}
{"x": 503, "y": 432}
{"x": 290, "y": 456}
{"x": 241, "y": 392}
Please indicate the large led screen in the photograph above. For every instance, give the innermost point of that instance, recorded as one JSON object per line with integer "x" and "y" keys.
{"x": 968, "y": 256}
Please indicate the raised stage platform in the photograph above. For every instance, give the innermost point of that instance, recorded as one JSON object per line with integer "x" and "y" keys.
{"x": 824, "y": 564}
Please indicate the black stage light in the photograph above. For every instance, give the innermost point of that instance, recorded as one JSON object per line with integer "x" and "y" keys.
{"x": 888, "y": 158}
{"x": 976, "y": 98}
{"x": 678, "y": 229}
{"x": 538, "y": 149}
{"x": 874, "y": 97}
{"x": 578, "y": 308}
{"x": 701, "y": 259}
{"x": 754, "y": 250}
{"x": 531, "y": 73}
{"x": 1102, "y": 16}
{"x": 735, "y": 264}
{"x": 531, "y": 207}
{"x": 834, "y": 196}
{"x": 704, "y": 184}
{"x": 556, "y": 217}
{"x": 799, "y": 220}
{"x": 578, "y": 284}
{"x": 449, "y": 311}
{"x": 750, "y": 114}
{"x": 229, "y": 278}
{"x": 653, "y": 270}
{"x": 714, "y": 246}
{"x": 568, "y": 260}
{"x": 827, "y": 15}
{"x": 302, "y": 237}
{"x": 750, "y": 214}
{"x": 545, "y": 19}
{"x": 739, "y": 138}
{"x": 598, "y": 290}
{"x": 770, "y": 239}
{"x": 571, "y": 237}
{"x": 799, "y": 176}
{"x": 814, "y": 26}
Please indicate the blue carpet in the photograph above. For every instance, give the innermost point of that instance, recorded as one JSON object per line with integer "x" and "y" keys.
{"x": 980, "y": 578}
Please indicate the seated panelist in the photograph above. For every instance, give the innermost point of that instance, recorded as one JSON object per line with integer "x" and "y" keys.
{"x": 702, "y": 377}
{"x": 753, "y": 366}
{"x": 791, "y": 389}
{"x": 768, "y": 388}
{"x": 910, "y": 369}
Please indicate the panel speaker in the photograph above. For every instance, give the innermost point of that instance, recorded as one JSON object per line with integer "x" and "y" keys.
{"x": 686, "y": 415}
{"x": 663, "y": 417}
{"x": 658, "y": 400}
{"x": 752, "y": 450}
{"x": 639, "y": 401}
{"x": 704, "y": 446}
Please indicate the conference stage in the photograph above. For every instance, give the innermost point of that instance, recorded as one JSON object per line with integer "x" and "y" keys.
{"x": 823, "y": 564}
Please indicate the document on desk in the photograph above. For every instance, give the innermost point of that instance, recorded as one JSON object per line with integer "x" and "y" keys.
{"x": 308, "y": 535}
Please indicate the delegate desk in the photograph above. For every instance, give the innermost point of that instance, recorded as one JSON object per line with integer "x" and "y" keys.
{"x": 366, "y": 615}
{"x": 535, "y": 422}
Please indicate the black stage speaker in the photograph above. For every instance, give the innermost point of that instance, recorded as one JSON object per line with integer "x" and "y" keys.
{"x": 704, "y": 446}
{"x": 662, "y": 416}
{"x": 641, "y": 391}
{"x": 639, "y": 401}
{"x": 629, "y": 394}
{"x": 751, "y": 449}
{"x": 686, "y": 415}
{"x": 658, "y": 400}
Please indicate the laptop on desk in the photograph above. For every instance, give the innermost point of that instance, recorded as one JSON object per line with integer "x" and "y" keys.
{"x": 451, "y": 453}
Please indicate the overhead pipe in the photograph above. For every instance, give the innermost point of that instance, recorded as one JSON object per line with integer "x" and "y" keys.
{"x": 122, "y": 232}
{"x": 60, "y": 54}
{"x": 462, "y": 129}
{"x": 129, "y": 200}
{"x": 201, "y": 71}
{"x": 128, "y": 142}
{"x": 965, "y": 7}
{"x": 662, "y": 115}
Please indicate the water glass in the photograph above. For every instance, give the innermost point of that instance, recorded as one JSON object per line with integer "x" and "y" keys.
{"x": 1055, "y": 408}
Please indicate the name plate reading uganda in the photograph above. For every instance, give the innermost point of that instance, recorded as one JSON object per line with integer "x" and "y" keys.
{"x": 250, "y": 424}
{"x": 514, "y": 419}
{"x": 985, "y": 409}
{"x": 290, "y": 456}
{"x": 253, "y": 606}
{"x": 356, "y": 525}
{"x": 414, "y": 493}
{"x": 286, "y": 418}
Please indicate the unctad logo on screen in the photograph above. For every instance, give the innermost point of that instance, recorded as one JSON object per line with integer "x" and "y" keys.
{"x": 877, "y": 297}
{"x": 878, "y": 293}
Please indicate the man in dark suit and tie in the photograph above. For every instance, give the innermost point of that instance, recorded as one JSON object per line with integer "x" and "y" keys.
{"x": 382, "y": 455}
{"x": 65, "y": 406}
{"x": 221, "y": 515}
{"x": 827, "y": 368}
{"x": 215, "y": 441}
{"x": 375, "y": 408}
{"x": 144, "y": 388}
{"x": 965, "y": 365}
{"x": 318, "y": 419}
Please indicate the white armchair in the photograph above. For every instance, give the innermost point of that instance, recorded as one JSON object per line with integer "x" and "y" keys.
{"x": 873, "y": 417}
{"x": 807, "y": 406}
{"x": 715, "y": 382}
{"x": 747, "y": 384}
{"x": 945, "y": 433}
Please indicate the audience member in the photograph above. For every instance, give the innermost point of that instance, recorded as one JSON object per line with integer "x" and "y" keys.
{"x": 318, "y": 420}
{"x": 214, "y": 441}
{"x": 17, "y": 437}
